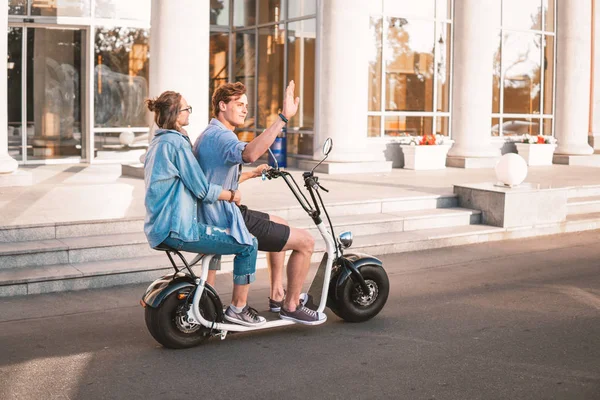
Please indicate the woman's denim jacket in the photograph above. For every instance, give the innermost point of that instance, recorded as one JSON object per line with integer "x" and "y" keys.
{"x": 174, "y": 183}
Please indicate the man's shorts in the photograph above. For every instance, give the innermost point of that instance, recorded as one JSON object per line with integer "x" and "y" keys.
{"x": 271, "y": 236}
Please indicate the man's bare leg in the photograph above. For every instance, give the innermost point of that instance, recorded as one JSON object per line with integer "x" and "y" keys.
{"x": 302, "y": 245}
{"x": 275, "y": 263}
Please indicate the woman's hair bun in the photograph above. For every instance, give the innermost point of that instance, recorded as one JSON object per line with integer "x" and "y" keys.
{"x": 151, "y": 105}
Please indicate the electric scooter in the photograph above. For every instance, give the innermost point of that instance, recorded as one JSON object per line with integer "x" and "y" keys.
{"x": 182, "y": 310}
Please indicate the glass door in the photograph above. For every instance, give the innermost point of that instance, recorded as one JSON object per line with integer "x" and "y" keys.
{"x": 45, "y": 93}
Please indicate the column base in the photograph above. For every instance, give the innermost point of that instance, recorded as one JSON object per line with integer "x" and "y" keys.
{"x": 471, "y": 162}
{"x": 338, "y": 168}
{"x": 592, "y": 160}
{"x": 594, "y": 142}
{"x": 16, "y": 178}
{"x": 132, "y": 170}
{"x": 583, "y": 149}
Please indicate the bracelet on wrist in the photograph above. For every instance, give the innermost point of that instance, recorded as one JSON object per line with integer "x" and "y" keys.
{"x": 283, "y": 118}
{"x": 232, "y": 195}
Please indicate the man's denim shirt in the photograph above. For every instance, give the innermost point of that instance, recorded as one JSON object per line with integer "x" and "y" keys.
{"x": 174, "y": 183}
{"x": 219, "y": 153}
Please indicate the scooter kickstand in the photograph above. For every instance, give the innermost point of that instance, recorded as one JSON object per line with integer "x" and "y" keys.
{"x": 222, "y": 335}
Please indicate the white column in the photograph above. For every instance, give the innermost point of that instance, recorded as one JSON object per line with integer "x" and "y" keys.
{"x": 574, "y": 35}
{"x": 595, "y": 126}
{"x": 179, "y": 45}
{"x": 475, "y": 41}
{"x": 7, "y": 163}
{"x": 344, "y": 42}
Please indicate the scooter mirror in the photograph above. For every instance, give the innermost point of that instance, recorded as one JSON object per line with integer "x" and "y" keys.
{"x": 327, "y": 146}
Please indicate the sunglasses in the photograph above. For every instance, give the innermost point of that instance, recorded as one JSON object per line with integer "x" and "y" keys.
{"x": 188, "y": 109}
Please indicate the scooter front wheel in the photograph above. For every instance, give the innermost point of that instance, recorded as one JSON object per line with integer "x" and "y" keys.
{"x": 169, "y": 325}
{"x": 352, "y": 305}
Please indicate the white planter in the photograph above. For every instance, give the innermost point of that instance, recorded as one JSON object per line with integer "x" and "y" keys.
{"x": 425, "y": 156}
{"x": 536, "y": 154}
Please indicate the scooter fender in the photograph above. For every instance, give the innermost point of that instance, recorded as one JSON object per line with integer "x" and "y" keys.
{"x": 342, "y": 274}
{"x": 161, "y": 288}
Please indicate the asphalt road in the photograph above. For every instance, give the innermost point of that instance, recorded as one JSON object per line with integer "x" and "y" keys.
{"x": 505, "y": 320}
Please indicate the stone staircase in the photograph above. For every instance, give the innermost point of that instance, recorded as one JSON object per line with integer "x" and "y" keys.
{"x": 81, "y": 255}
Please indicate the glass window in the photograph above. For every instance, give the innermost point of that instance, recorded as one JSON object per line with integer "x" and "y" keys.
{"x": 497, "y": 77}
{"x": 219, "y": 48}
{"x": 300, "y": 8}
{"x": 404, "y": 125}
{"x": 442, "y": 126}
{"x": 547, "y": 126}
{"x": 219, "y": 12}
{"x": 495, "y": 127}
{"x": 374, "y": 126}
{"x": 244, "y": 69}
{"x": 521, "y": 57}
{"x": 443, "y": 67}
{"x": 120, "y": 9}
{"x": 409, "y": 66}
{"x": 270, "y": 11}
{"x": 300, "y": 143}
{"x": 301, "y": 68}
{"x": 548, "y": 74}
{"x": 522, "y": 14}
{"x": 61, "y": 8}
{"x": 120, "y": 77}
{"x": 549, "y": 14}
{"x": 17, "y": 7}
{"x": 270, "y": 74}
{"x": 520, "y": 126}
{"x": 375, "y": 64}
{"x": 54, "y": 66}
{"x": 15, "y": 92}
{"x": 244, "y": 12}
{"x": 404, "y": 8}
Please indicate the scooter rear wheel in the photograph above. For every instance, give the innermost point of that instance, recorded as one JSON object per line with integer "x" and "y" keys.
{"x": 168, "y": 322}
{"x": 352, "y": 305}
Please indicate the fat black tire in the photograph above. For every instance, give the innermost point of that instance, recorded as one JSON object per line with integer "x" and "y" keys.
{"x": 161, "y": 322}
{"x": 345, "y": 304}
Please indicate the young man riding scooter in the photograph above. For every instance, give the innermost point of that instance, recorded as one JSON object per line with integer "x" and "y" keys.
{"x": 221, "y": 155}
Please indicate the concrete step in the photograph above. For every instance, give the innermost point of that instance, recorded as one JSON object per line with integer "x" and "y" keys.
{"x": 129, "y": 245}
{"x": 584, "y": 191}
{"x": 95, "y": 274}
{"x": 22, "y": 233}
{"x": 583, "y": 205}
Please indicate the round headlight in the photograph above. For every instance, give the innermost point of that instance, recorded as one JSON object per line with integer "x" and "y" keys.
{"x": 346, "y": 239}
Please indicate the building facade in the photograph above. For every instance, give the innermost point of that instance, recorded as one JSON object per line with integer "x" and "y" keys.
{"x": 369, "y": 73}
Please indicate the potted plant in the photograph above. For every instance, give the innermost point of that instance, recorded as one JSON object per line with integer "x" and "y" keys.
{"x": 426, "y": 152}
{"x": 537, "y": 150}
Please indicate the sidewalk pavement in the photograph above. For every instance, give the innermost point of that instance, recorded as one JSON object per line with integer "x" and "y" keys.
{"x": 63, "y": 193}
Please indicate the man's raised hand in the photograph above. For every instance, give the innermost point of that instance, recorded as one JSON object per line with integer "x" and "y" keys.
{"x": 290, "y": 105}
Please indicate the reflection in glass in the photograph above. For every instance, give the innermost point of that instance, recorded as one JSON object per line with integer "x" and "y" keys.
{"x": 244, "y": 12}
{"x": 375, "y": 65}
{"x": 495, "y": 127}
{"x": 219, "y": 12}
{"x": 443, "y": 67}
{"x": 301, "y": 68}
{"x": 54, "y": 92}
{"x": 373, "y": 126}
{"x": 443, "y": 9}
{"x": 547, "y": 126}
{"x": 244, "y": 69}
{"x": 404, "y": 8}
{"x": 17, "y": 7}
{"x": 120, "y": 77}
{"x": 121, "y": 9}
{"x": 410, "y": 65}
{"x": 497, "y": 76}
{"x": 522, "y": 14}
{"x": 401, "y": 125}
{"x": 15, "y": 92}
{"x": 300, "y": 8}
{"x": 270, "y": 74}
{"x": 549, "y": 14}
{"x": 217, "y": 66}
{"x": 300, "y": 143}
{"x": 442, "y": 126}
{"x": 518, "y": 126}
{"x": 521, "y": 55}
{"x": 270, "y": 11}
{"x": 61, "y": 8}
{"x": 548, "y": 74}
